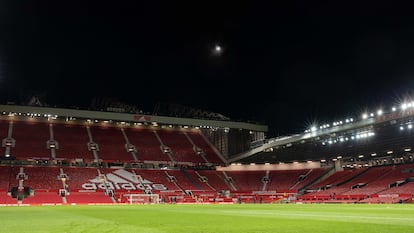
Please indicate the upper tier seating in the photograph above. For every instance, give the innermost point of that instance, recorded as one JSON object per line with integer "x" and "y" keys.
{"x": 4, "y": 129}
{"x": 200, "y": 142}
{"x": 32, "y": 140}
{"x": 73, "y": 141}
{"x": 181, "y": 147}
{"x": 111, "y": 144}
{"x": 147, "y": 145}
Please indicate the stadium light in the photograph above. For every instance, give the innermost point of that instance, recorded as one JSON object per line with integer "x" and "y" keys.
{"x": 379, "y": 112}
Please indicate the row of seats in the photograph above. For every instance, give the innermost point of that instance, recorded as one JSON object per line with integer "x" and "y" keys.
{"x": 364, "y": 182}
{"x": 32, "y": 139}
{"x": 47, "y": 181}
{"x": 53, "y": 178}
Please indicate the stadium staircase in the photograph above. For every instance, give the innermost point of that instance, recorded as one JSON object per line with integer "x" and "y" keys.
{"x": 204, "y": 180}
{"x": 173, "y": 180}
{"x": 211, "y": 153}
{"x": 215, "y": 180}
{"x": 194, "y": 182}
{"x": 197, "y": 150}
{"x": 229, "y": 181}
{"x": 180, "y": 145}
{"x": 92, "y": 146}
{"x": 328, "y": 172}
{"x": 130, "y": 148}
{"x": 166, "y": 150}
{"x": 265, "y": 180}
{"x": 354, "y": 177}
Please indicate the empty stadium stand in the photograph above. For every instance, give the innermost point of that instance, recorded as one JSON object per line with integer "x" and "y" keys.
{"x": 70, "y": 162}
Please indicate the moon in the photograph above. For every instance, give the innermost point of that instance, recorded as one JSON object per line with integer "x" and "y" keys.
{"x": 217, "y": 50}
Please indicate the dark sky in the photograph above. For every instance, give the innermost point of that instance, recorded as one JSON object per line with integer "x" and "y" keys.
{"x": 283, "y": 63}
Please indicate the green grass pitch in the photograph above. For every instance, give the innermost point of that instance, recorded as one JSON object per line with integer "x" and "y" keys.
{"x": 240, "y": 218}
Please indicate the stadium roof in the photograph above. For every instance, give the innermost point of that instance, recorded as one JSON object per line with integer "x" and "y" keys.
{"x": 375, "y": 138}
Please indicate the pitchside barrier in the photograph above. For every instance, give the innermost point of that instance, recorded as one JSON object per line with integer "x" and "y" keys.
{"x": 142, "y": 198}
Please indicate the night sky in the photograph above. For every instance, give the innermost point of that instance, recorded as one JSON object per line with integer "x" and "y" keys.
{"x": 284, "y": 64}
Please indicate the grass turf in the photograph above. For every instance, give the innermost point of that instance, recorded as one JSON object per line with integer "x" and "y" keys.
{"x": 244, "y": 218}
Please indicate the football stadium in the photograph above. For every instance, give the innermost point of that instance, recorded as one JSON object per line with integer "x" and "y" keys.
{"x": 206, "y": 117}
{"x": 112, "y": 168}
